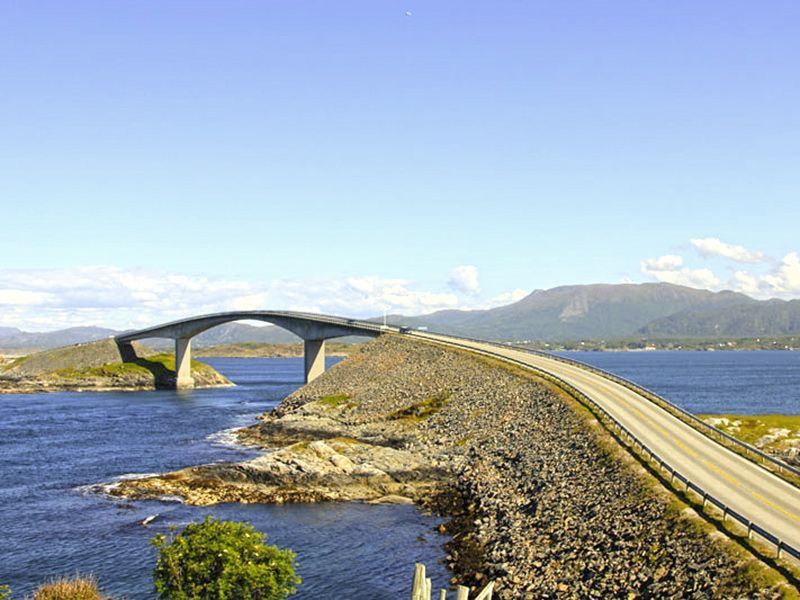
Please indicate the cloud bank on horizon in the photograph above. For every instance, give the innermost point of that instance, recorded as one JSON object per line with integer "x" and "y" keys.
{"x": 767, "y": 277}
{"x": 121, "y": 298}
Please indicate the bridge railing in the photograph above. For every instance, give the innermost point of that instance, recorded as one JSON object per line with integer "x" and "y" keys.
{"x": 624, "y": 434}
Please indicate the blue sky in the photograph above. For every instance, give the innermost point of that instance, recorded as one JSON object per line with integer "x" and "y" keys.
{"x": 159, "y": 158}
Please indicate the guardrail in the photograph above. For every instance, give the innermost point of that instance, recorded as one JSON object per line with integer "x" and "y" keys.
{"x": 622, "y": 432}
{"x": 674, "y": 409}
{"x": 747, "y": 450}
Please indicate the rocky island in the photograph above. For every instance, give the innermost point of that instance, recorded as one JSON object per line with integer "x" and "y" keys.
{"x": 98, "y": 366}
{"x": 540, "y": 498}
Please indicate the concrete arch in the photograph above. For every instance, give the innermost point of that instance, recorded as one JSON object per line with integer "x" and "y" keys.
{"x": 313, "y": 328}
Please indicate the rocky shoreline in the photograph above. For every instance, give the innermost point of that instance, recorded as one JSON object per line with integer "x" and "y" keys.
{"x": 539, "y": 499}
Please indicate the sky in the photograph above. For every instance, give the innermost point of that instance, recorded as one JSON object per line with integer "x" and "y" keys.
{"x": 165, "y": 158}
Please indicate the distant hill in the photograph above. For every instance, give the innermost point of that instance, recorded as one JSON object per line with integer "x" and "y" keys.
{"x": 230, "y": 333}
{"x": 574, "y": 312}
{"x": 577, "y": 312}
{"x": 752, "y": 319}
{"x": 11, "y": 338}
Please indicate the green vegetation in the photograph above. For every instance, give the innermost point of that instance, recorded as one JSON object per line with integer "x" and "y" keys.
{"x": 161, "y": 366}
{"x": 76, "y": 588}
{"x": 422, "y": 409}
{"x": 771, "y": 431}
{"x": 223, "y": 560}
{"x": 5, "y": 592}
{"x": 644, "y": 343}
{"x": 334, "y": 401}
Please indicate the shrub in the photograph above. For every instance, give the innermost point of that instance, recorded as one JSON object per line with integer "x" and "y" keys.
{"x": 5, "y": 592}
{"x": 224, "y": 560}
{"x": 77, "y": 588}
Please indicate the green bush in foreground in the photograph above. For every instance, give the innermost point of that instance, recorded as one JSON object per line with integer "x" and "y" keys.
{"x": 224, "y": 560}
{"x": 5, "y": 592}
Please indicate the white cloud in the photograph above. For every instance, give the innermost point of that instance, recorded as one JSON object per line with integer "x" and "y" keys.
{"x": 23, "y": 297}
{"x": 746, "y": 283}
{"x": 508, "y": 297}
{"x": 669, "y": 269}
{"x": 784, "y": 280}
{"x": 131, "y": 298}
{"x": 464, "y": 279}
{"x": 766, "y": 279}
{"x": 715, "y": 247}
{"x": 668, "y": 262}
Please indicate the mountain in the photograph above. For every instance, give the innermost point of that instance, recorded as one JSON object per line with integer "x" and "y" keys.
{"x": 237, "y": 333}
{"x": 10, "y": 337}
{"x": 573, "y": 312}
{"x": 754, "y": 319}
{"x": 602, "y": 311}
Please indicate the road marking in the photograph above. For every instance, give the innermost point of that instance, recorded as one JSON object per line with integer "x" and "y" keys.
{"x": 768, "y": 502}
{"x": 720, "y": 471}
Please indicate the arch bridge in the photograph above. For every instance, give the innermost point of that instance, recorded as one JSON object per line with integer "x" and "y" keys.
{"x": 313, "y": 328}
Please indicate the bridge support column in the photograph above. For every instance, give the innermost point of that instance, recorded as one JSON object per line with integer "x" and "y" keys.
{"x": 314, "y": 355}
{"x": 183, "y": 364}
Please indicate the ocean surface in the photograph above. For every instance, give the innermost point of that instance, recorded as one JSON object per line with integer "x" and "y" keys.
{"x": 54, "y": 447}
{"x": 738, "y": 382}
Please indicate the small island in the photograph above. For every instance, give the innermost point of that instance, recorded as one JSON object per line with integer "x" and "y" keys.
{"x": 98, "y": 366}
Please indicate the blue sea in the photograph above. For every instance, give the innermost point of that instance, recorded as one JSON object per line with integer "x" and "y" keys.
{"x": 55, "y": 447}
{"x": 739, "y": 382}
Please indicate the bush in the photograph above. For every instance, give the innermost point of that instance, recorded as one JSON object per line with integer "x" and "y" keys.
{"x": 5, "y": 592}
{"x": 78, "y": 588}
{"x": 223, "y": 560}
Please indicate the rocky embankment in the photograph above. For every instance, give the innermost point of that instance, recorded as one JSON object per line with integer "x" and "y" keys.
{"x": 97, "y": 366}
{"x": 540, "y": 500}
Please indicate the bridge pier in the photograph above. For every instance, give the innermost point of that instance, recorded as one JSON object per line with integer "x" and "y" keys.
{"x": 183, "y": 364}
{"x": 314, "y": 358}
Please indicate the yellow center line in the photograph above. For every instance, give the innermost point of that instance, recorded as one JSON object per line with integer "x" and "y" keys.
{"x": 667, "y": 434}
{"x": 768, "y": 502}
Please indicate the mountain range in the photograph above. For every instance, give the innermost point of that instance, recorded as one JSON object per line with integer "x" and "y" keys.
{"x": 575, "y": 312}
{"x": 614, "y": 311}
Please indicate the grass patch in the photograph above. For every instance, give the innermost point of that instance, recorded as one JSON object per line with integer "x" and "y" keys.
{"x": 159, "y": 366}
{"x": 334, "y": 401}
{"x": 78, "y": 588}
{"x": 422, "y": 409}
{"x": 751, "y": 428}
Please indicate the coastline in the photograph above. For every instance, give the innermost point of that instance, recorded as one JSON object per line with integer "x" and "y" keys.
{"x": 538, "y": 499}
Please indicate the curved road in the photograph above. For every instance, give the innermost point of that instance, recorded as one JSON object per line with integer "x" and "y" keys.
{"x": 744, "y": 486}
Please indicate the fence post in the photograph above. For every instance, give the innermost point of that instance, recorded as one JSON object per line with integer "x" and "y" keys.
{"x": 462, "y": 593}
{"x": 486, "y": 594}
{"x": 418, "y": 588}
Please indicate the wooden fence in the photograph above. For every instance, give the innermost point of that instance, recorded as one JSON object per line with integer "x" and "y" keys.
{"x": 422, "y": 588}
